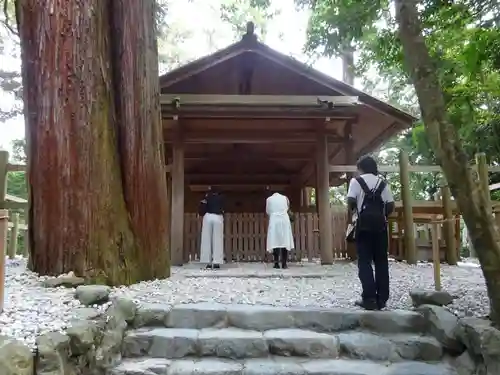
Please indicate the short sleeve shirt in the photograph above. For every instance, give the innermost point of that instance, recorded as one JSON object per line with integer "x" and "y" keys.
{"x": 356, "y": 192}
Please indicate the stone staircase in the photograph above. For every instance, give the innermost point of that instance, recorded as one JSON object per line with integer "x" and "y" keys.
{"x": 217, "y": 339}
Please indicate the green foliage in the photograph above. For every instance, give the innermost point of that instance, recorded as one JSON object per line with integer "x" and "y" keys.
{"x": 464, "y": 40}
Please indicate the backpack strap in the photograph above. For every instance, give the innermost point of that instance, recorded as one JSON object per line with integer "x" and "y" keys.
{"x": 377, "y": 192}
{"x": 363, "y": 185}
{"x": 380, "y": 188}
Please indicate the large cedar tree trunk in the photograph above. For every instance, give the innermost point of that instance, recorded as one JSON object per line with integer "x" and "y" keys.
{"x": 445, "y": 142}
{"x": 85, "y": 215}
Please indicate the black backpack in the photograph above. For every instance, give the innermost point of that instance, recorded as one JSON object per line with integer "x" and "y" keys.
{"x": 372, "y": 217}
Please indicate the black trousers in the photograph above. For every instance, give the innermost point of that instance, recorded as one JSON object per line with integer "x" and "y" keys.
{"x": 372, "y": 248}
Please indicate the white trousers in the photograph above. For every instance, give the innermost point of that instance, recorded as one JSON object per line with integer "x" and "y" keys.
{"x": 212, "y": 239}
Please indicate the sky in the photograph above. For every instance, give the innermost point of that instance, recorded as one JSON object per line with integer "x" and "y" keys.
{"x": 286, "y": 33}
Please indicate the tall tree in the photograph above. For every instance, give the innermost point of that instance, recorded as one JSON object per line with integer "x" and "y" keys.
{"x": 97, "y": 183}
{"x": 454, "y": 70}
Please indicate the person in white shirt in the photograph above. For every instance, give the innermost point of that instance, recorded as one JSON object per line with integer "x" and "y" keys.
{"x": 279, "y": 232}
{"x": 371, "y": 201}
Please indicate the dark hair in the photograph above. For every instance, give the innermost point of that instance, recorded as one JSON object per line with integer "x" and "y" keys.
{"x": 367, "y": 164}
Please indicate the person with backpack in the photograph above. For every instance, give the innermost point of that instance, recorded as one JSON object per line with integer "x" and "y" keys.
{"x": 212, "y": 229}
{"x": 370, "y": 199}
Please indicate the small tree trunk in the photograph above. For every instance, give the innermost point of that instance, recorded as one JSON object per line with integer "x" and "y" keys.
{"x": 78, "y": 212}
{"x": 446, "y": 144}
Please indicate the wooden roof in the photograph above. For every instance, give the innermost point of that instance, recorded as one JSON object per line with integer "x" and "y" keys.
{"x": 249, "y": 67}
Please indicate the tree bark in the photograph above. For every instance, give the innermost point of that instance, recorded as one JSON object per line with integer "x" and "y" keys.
{"x": 79, "y": 201}
{"x": 471, "y": 199}
{"x": 135, "y": 64}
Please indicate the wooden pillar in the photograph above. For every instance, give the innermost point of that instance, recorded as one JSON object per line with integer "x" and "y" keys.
{"x": 4, "y": 161}
{"x": 177, "y": 215}
{"x": 323, "y": 199}
{"x": 409, "y": 235}
{"x": 484, "y": 180}
{"x": 305, "y": 198}
{"x": 14, "y": 235}
{"x": 349, "y": 160}
{"x": 449, "y": 227}
{"x": 4, "y": 222}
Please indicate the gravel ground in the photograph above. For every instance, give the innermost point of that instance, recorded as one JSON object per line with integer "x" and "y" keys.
{"x": 31, "y": 309}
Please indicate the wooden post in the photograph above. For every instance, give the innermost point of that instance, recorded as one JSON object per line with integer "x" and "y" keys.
{"x": 349, "y": 159}
{"x": 177, "y": 215}
{"x": 323, "y": 199}
{"x": 26, "y": 250}
{"x": 4, "y": 160}
{"x": 14, "y": 235}
{"x": 436, "y": 256}
{"x": 484, "y": 182}
{"x": 4, "y": 222}
{"x": 409, "y": 235}
{"x": 449, "y": 227}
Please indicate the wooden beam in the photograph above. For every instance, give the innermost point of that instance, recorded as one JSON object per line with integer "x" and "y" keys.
{"x": 258, "y": 100}
{"x": 252, "y": 137}
{"x": 16, "y": 167}
{"x": 177, "y": 215}
{"x": 395, "y": 168}
{"x": 239, "y": 187}
{"x": 323, "y": 194}
{"x": 261, "y": 112}
{"x": 222, "y": 158}
{"x": 241, "y": 178}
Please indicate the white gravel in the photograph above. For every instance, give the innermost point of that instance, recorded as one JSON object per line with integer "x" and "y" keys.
{"x": 31, "y": 309}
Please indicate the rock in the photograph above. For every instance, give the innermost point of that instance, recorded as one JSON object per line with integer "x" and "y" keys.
{"x": 92, "y": 294}
{"x": 264, "y": 366}
{"x": 260, "y": 318}
{"x": 207, "y": 366}
{"x": 420, "y": 368}
{"x": 15, "y": 358}
{"x": 325, "y": 320}
{"x": 343, "y": 367}
{"x": 161, "y": 342}
{"x": 127, "y": 307}
{"x": 414, "y": 347}
{"x": 363, "y": 345}
{"x": 302, "y": 343}
{"x": 483, "y": 341}
{"x": 396, "y": 321}
{"x": 108, "y": 352}
{"x": 147, "y": 366}
{"x": 232, "y": 343}
{"x": 443, "y": 325}
{"x": 465, "y": 364}
{"x": 83, "y": 336}
{"x": 198, "y": 315}
{"x": 151, "y": 314}
{"x": 54, "y": 355}
{"x": 430, "y": 297}
{"x": 65, "y": 281}
{"x": 86, "y": 313}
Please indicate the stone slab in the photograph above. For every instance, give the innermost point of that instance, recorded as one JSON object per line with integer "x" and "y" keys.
{"x": 302, "y": 343}
{"x": 160, "y": 343}
{"x": 276, "y": 366}
{"x": 232, "y": 343}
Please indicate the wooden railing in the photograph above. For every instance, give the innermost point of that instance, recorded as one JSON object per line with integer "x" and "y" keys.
{"x": 245, "y": 236}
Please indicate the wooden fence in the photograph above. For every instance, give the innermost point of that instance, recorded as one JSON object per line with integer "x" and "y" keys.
{"x": 245, "y": 236}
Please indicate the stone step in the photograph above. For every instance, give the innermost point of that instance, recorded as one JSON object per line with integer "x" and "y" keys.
{"x": 235, "y": 343}
{"x": 263, "y": 318}
{"x": 276, "y": 366}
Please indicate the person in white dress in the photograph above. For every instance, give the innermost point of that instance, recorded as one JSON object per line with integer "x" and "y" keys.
{"x": 212, "y": 230}
{"x": 279, "y": 232}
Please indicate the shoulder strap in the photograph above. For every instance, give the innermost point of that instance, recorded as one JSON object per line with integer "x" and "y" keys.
{"x": 363, "y": 185}
{"x": 380, "y": 188}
